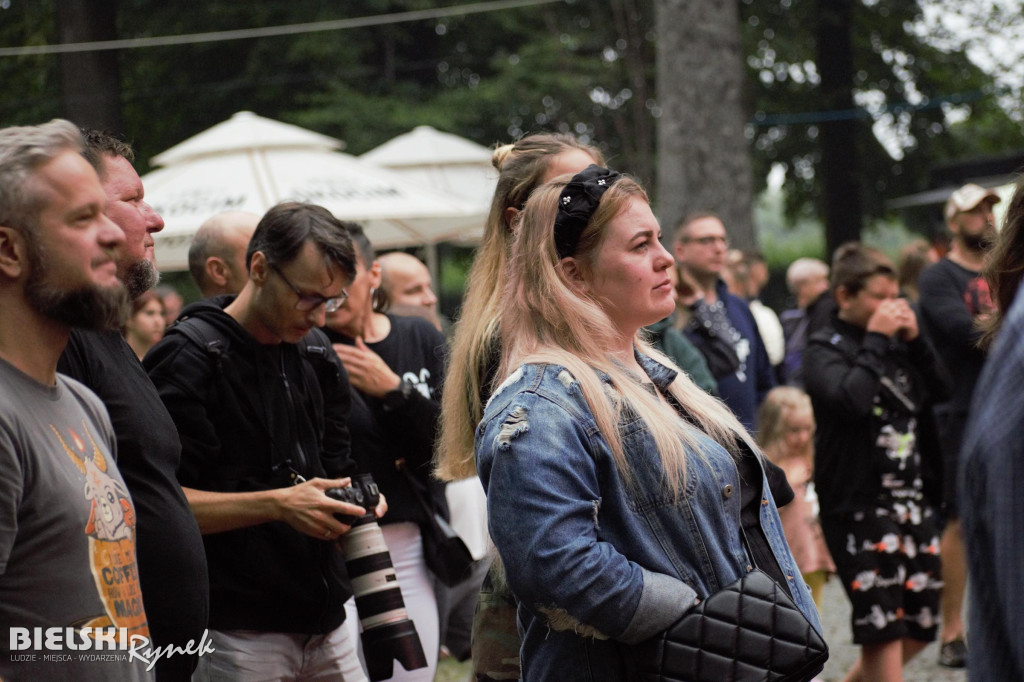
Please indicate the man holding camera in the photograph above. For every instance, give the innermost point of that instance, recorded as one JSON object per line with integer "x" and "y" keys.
{"x": 261, "y": 403}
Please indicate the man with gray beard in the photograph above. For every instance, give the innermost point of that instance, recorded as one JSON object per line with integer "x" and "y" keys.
{"x": 172, "y": 563}
{"x": 67, "y": 523}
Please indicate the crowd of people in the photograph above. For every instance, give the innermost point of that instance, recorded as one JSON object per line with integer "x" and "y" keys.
{"x": 619, "y": 430}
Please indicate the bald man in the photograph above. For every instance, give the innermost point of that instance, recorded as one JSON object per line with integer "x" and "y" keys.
{"x": 216, "y": 257}
{"x": 407, "y": 281}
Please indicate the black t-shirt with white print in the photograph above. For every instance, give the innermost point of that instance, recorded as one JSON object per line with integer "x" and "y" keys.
{"x": 415, "y": 351}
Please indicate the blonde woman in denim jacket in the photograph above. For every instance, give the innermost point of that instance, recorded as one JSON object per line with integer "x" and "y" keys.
{"x": 619, "y": 494}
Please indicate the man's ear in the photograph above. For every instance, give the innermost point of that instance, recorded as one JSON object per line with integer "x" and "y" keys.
{"x": 843, "y": 297}
{"x": 259, "y": 268}
{"x": 375, "y": 276}
{"x": 13, "y": 252}
{"x": 216, "y": 271}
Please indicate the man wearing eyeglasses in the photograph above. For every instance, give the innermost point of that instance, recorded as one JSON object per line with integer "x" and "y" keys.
{"x": 721, "y": 324}
{"x": 263, "y": 431}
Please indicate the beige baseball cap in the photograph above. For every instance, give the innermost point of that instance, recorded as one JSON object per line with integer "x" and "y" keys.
{"x": 967, "y": 197}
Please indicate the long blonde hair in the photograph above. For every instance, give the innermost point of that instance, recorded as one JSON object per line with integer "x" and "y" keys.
{"x": 773, "y": 418}
{"x": 522, "y": 166}
{"x": 548, "y": 319}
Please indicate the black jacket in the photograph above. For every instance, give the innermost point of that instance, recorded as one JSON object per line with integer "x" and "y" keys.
{"x": 846, "y": 369}
{"x": 248, "y": 415}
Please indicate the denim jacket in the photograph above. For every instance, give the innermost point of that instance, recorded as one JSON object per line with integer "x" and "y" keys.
{"x": 598, "y": 564}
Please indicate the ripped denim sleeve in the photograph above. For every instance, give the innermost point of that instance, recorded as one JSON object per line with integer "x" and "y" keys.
{"x": 515, "y": 425}
{"x": 664, "y": 600}
{"x": 545, "y": 504}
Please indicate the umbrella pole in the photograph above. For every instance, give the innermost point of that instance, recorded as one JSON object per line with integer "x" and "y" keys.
{"x": 432, "y": 264}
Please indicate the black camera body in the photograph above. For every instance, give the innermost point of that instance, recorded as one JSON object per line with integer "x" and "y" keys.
{"x": 388, "y": 634}
{"x": 362, "y": 492}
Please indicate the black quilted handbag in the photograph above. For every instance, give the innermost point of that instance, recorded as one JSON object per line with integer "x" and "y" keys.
{"x": 750, "y": 631}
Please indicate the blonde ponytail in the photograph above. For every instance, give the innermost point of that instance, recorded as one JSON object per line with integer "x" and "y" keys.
{"x": 522, "y": 165}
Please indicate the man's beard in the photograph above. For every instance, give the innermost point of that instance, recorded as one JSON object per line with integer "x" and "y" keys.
{"x": 140, "y": 277}
{"x": 90, "y": 307}
{"x": 981, "y": 242}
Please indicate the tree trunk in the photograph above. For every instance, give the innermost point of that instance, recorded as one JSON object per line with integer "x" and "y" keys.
{"x": 703, "y": 152}
{"x": 634, "y": 122}
{"x": 90, "y": 81}
{"x": 843, "y": 211}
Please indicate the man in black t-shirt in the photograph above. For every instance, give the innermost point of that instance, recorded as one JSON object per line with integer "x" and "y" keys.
{"x": 172, "y": 564}
{"x": 953, "y": 296}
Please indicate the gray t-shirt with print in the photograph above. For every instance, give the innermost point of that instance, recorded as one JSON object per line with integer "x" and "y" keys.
{"x": 67, "y": 537}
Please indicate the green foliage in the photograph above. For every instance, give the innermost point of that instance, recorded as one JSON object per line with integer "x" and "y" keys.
{"x": 583, "y": 66}
{"x": 906, "y": 86}
{"x": 783, "y": 239}
{"x": 31, "y": 85}
{"x": 455, "y": 262}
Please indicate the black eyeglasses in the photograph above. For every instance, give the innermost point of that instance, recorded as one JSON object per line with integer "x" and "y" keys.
{"x": 309, "y": 302}
{"x": 708, "y": 241}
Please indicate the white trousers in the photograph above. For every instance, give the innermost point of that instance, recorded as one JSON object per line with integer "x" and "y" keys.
{"x": 280, "y": 657}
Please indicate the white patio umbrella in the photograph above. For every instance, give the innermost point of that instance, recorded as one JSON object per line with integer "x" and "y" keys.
{"x": 250, "y": 163}
{"x": 440, "y": 160}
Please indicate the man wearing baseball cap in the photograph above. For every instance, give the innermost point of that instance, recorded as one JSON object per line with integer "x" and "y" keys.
{"x": 953, "y": 297}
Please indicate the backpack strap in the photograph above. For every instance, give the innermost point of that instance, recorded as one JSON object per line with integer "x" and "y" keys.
{"x": 316, "y": 348}
{"x": 203, "y": 334}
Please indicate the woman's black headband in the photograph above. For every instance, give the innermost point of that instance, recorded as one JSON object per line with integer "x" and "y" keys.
{"x": 577, "y": 203}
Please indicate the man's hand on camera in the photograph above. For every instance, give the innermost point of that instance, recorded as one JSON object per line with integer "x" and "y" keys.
{"x": 382, "y": 507}
{"x": 308, "y": 510}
